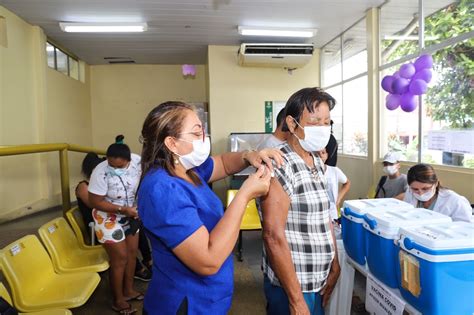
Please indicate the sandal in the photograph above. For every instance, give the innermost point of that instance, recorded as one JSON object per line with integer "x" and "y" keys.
{"x": 125, "y": 311}
{"x": 138, "y": 297}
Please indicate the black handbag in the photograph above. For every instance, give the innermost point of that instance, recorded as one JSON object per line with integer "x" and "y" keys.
{"x": 6, "y": 308}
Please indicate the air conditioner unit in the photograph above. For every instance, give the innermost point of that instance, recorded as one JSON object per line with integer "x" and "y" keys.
{"x": 275, "y": 55}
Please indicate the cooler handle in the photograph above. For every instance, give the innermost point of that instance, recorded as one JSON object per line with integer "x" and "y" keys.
{"x": 409, "y": 245}
{"x": 371, "y": 222}
{"x": 348, "y": 212}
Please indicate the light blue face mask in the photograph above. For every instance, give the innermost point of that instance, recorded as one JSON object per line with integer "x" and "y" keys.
{"x": 117, "y": 171}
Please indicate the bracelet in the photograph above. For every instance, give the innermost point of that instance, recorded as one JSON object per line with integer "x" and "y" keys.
{"x": 119, "y": 210}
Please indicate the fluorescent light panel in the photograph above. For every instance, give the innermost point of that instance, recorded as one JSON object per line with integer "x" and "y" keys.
{"x": 277, "y": 32}
{"x": 103, "y": 27}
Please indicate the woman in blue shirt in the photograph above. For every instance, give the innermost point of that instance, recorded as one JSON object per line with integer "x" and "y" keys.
{"x": 192, "y": 238}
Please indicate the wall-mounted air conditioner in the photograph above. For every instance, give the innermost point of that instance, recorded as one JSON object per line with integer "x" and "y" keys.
{"x": 275, "y": 55}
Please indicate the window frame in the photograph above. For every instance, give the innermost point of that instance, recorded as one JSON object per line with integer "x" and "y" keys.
{"x": 421, "y": 49}
{"x": 68, "y": 57}
{"x": 345, "y": 81}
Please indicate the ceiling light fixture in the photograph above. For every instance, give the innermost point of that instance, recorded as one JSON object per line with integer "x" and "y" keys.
{"x": 279, "y": 32}
{"x": 103, "y": 27}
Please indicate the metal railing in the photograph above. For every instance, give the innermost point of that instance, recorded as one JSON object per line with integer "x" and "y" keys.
{"x": 63, "y": 149}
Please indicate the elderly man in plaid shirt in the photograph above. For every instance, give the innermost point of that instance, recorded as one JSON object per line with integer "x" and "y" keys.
{"x": 300, "y": 264}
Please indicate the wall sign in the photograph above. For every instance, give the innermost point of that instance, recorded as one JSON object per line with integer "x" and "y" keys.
{"x": 272, "y": 108}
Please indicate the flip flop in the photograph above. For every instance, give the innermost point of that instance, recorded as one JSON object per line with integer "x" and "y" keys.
{"x": 138, "y": 297}
{"x": 125, "y": 311}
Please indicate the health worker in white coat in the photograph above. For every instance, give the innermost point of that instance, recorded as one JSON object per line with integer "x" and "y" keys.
{"x": 425, "y": 191}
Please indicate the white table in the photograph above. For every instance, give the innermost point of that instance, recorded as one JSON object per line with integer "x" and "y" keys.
{"x": 347, "y": 286}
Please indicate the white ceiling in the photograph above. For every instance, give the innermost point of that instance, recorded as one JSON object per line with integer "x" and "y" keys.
{"x": 179, "y": 31}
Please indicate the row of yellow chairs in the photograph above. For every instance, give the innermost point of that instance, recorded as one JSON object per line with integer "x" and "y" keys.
{"x": 50, "y": 279}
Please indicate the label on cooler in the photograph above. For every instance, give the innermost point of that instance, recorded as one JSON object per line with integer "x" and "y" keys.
{"x": 380, "y": 300}
{"x": 410, "y": 270}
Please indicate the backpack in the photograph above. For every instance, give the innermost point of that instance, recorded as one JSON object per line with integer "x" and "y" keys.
{"x": 382, "y": 181}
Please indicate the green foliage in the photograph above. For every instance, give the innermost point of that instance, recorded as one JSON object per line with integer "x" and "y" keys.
{"x": 451, "y": 99}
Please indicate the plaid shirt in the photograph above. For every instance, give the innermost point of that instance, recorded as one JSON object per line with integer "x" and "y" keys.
{"x": 307, "y": 227}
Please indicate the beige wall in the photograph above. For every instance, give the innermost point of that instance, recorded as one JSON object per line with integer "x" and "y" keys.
{"x": 237, "y": 94}
{"x": 37, "y": 105}
{"x": 122, "y": 96}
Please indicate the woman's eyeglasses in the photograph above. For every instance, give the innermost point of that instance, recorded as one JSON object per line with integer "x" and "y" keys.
{"x": 199, "y": 134}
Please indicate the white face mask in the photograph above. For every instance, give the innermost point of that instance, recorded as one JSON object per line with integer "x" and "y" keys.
{"x": 198, "y": 155}
{"x": 390, "y": 170}
{"x": 426, "y": 196}
{"x": 315, "y": 137}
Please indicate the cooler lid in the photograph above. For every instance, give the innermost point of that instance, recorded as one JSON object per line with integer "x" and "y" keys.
{"x": 396, "y": 218}
{"x": 453, "y": 235}
{"x": 362, "y": 206}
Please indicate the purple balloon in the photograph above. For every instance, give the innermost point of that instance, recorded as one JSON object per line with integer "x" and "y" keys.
{"x": 407, "y": 70}
{"x": 424, "y": 62}
{"x": 387, "y": 83}
{"x": 392, "y": 101}
{"x": 400, "y": 86}
{"x": 408, "y": 102}
{"x": 396, "y": 74}
{"x": 418, "y": 87}
{"x": 423, "y": 74}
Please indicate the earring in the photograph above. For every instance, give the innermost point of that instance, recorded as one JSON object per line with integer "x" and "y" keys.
{"x": 176, "y": 161}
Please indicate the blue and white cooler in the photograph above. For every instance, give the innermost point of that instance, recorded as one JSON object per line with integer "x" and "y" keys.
{"x": 382, "y": 230}
{"x": 353, "y": 233}
{"x": 437, "y": 268}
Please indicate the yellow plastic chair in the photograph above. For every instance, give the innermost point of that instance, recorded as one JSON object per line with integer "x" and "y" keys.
{"x": 75, "y": 219}
{"x": 6, "y": 296}
{"x": 65, "y": 251}
{"x": 371, "y": 192}
{"x": 34, "y": 284}
{"x": 250, "y": 221}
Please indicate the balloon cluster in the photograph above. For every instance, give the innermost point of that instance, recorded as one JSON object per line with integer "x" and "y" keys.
{"x": 410, "y": 80}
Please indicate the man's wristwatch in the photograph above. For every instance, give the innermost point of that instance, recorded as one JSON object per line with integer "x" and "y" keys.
{"x": 119, "y": 210}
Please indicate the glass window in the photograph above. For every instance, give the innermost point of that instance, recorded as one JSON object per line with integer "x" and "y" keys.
{"x": 355, "y": 116}
{"x": 447, "y": 19}
{"x": 336, "y": 113}
{"x": 61, "y": 62}
{"x": 398, "y": 29}
{"x": 73, "y": 68}
{"x": 50, "y": 55}
{"x": 354, "y": 50}
{"x": 398, "y": 129}
{"x": 331, "y": 62}
{"x": 448, "y": 118}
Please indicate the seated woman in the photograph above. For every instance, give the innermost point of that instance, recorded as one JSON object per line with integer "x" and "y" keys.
{"x": 91, "y": 160}
{"x": 425, "y": 191}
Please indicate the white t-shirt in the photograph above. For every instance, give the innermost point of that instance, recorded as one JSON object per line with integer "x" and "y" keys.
{"x": 121, "y": 190}
{"x": 334, "y": 177}
{"x": 448, "y": 203}
{"x": 270, "y": 142}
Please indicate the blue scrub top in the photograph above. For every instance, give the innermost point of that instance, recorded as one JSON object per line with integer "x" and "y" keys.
{"x": 171, "y": 210}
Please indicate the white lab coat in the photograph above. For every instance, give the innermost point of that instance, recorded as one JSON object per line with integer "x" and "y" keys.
{"x": 448, "y": 203}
